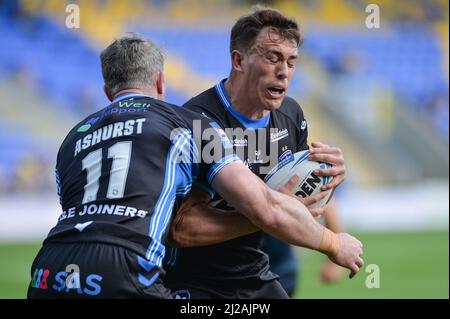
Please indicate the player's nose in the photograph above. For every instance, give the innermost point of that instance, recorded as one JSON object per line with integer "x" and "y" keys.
{"x": 282, "y": 71}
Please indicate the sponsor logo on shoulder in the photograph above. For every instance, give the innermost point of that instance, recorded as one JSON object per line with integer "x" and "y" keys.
{"x": 303, "y": 125}
{"x": 279, "y": 135}
{"x": 223, "y": 136}
{"x": 239, "y": 142}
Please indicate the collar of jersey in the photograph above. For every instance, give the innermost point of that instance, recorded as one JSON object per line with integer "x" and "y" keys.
{"x": 128, "y": 96}
{"x": 244, "y": 120}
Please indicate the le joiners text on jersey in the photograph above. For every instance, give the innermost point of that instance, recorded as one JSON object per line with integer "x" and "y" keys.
{"x": 116, "y": 210}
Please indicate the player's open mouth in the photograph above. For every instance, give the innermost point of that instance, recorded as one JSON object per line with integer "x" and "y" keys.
{"x": 276, "y": 91}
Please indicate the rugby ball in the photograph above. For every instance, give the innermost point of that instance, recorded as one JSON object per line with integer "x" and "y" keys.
{"x": 309, "y": 183}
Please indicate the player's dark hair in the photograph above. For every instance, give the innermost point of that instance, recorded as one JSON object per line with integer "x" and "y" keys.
{"x": 130, "y": 62}
{"x": 247, "y": 28}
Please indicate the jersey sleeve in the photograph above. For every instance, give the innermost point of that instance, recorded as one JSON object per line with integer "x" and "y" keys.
{"x": 302, "y": 128}
{"x": 217, "y": 151}
{"x": 212, "y": 151}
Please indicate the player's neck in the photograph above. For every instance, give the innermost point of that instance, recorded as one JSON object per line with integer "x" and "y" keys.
{"x": 240, "y": 101}
{"x": 133, "y": 91}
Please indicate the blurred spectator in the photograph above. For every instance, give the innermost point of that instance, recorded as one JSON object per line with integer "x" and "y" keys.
{"x": 32, "y": 174}
{"x": 27, "y": 173}
{"x": 438, "y": 109}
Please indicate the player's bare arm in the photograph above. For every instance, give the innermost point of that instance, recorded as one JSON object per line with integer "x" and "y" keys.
{"x": 284, "y": 217}
{"x": 329, "y": 271}
{"x": 197, "y": 223}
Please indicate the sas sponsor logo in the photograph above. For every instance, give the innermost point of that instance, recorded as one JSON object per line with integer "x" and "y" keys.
{"x": 67, "y": 281}
{"x": 71, "y": 280}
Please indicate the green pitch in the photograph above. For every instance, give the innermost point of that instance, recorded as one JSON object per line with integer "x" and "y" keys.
{"x": 412, "y": 265}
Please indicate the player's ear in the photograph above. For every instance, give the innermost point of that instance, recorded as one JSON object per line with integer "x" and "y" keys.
{"x": 160, "y": 86}
{"x": 236, "y": 60}
{"x": 107, "y": 93}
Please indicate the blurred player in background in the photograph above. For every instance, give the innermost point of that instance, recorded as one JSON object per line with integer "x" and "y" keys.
{"x": 285, "y": 263}
{"x": 121, "y": 171}
{"x": 264, "y": 49}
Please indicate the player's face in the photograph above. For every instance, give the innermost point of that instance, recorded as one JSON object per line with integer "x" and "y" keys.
{"x": 269, "y": 69}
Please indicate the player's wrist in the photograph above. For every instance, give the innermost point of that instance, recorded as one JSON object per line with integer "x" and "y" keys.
{"x": 330, "y": 243}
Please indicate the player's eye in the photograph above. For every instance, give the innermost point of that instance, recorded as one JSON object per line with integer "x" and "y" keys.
{"x": 292, "y": 62}
{"x": 272, "y": 58}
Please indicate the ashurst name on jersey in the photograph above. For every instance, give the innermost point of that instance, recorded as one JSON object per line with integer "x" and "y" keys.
{"x": 113, "y": 130}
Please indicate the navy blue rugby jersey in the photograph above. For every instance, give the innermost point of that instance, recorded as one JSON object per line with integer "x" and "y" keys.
{"x": 121, "y": 172}
{"x": 261, "y": 144}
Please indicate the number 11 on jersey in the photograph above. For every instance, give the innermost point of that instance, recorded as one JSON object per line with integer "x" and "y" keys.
{"x": 92, "y": 163}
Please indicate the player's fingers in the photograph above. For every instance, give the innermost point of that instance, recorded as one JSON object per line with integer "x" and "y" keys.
{"x": 335, "y": 182}
{"x": 332, "y": 171}
{"x": 288, "y": 188}
{"x": 308, "y": 201}
{"x": 327, "y": 157}
{"x": 326, "y": 150}
{"x": 319, "y": 144}
{"x": 353, "y": 270}
{"x": 318, "y": 197}
{"x": 321, "y": 150}
{"x": 360, "y": 262}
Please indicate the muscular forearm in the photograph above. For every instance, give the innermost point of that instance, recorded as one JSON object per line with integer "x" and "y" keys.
{"x": 201, "y": 224}
{"x": 284, "y": 217}
{"x": 280, "y": 215}
{"x": 332, "y": 221}
{"x": 293, "y": 222}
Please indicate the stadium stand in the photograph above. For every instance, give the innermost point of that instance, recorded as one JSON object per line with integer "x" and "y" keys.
{"x": 409, "y": 55}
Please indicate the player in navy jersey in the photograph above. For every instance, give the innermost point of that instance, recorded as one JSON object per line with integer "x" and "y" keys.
{"x": 122, "y": 171}
{"x": 265, "y": 127}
